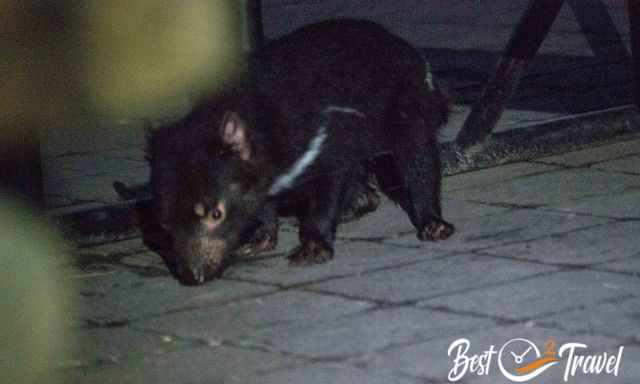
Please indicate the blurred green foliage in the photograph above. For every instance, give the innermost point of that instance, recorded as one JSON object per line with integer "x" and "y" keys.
{"x": 138, "y": 54}
{"x": 35, "y": 307}
{"x": 115, "y": 57}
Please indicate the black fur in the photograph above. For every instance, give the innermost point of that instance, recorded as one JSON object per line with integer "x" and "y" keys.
{"x": 308, "y": 80}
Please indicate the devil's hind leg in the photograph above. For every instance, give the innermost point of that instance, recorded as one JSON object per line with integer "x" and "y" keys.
{"x": 411, "y": 177}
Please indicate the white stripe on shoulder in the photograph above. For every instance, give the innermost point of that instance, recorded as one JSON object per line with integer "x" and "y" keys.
{"x": 348, "y": 110}
{"x": 286, "y": 180}
{"x": 429, "y": 76}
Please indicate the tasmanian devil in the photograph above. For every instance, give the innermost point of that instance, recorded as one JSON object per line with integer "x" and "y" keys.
{"x": 332, "y": 104}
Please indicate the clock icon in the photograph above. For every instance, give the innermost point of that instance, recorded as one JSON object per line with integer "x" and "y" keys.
{"x": 521, "y": 350}
{"x": 520, "y": 360}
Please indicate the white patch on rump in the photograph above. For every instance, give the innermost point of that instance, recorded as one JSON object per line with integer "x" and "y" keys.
{"x": 286, "y": 180}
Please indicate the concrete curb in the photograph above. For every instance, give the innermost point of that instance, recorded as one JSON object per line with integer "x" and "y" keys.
{"x": 551, "y": 137}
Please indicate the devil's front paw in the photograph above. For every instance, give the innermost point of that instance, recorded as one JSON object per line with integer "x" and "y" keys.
{"x": 310, "y": 252}
{"x": 436, "y": 230}
{"x": 263, "y": 240}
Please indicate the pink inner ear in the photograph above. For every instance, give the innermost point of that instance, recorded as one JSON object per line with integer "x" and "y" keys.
{"x": 234, "y": 134}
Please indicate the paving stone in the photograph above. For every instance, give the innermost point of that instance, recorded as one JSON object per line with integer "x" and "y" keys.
{"x": 330, "y": 373}
{"x": 629, "y": 265}
{"x": 101, "y": 162}
{"x": 366, "y": 333}
{"x": 595, "y": 155}
{"x": 390, "y": 221}
{"x": 134, "y": 256}
{"x": 429, "y": 360}
{"x": 511, "y": 225}
{"x": 96, "y": 347}
{"x": 629, "y": 164}
{"x": 446, "y": 275}
{"x": 616, "y": 319}
{"x": 215, "y": 364}
{"x": 511, "y": 118}
{"x": 94, "y": 189}
{"x": 541, "y": 296}
{"x": 351, "y": 258}
{"x": 143, "y": 264}
{"x": 550, "y": 188}
{"x": 622, "y": 205}
{"x": 242, "y": 320}
{"x": 123, "y": 296}
{"x": 460, "y": 210}
{"x": 131, "y": 255}
{"x": 584, "y": 247}
{"x": 128, "y": 246}
{"x": 491, "y": 176}
{"x": 629, "y": 367}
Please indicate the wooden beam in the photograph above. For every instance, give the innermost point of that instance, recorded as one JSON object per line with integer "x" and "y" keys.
{"x": 522, "y": 47}
{"x": 21, "y": 166}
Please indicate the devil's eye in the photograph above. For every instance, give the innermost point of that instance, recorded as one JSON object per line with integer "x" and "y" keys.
{"x": 205, "y": 213}
{"x": 216, "y": 214}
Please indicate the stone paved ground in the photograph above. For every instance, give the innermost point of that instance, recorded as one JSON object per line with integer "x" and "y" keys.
{"x": 545, "y": 248}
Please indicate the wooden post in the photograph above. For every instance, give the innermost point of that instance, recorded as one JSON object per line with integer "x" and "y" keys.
{"x": 522, "y": 47}
{"x": 252, "y": 35}
{"x": 255, "y": 28}
{"x": 21, "y": 165}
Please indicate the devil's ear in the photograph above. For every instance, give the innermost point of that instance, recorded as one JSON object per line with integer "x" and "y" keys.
{"x": 234, "y": 132}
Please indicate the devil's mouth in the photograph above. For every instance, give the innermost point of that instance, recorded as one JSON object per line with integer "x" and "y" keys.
{"x": 207, "y": 271}
{"x": 201, "y": 275}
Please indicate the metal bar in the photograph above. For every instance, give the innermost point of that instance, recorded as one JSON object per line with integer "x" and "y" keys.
{"x": 633, "y": 7}
{"x": 522, "y": 47}
{"x": 599, "y": 29}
